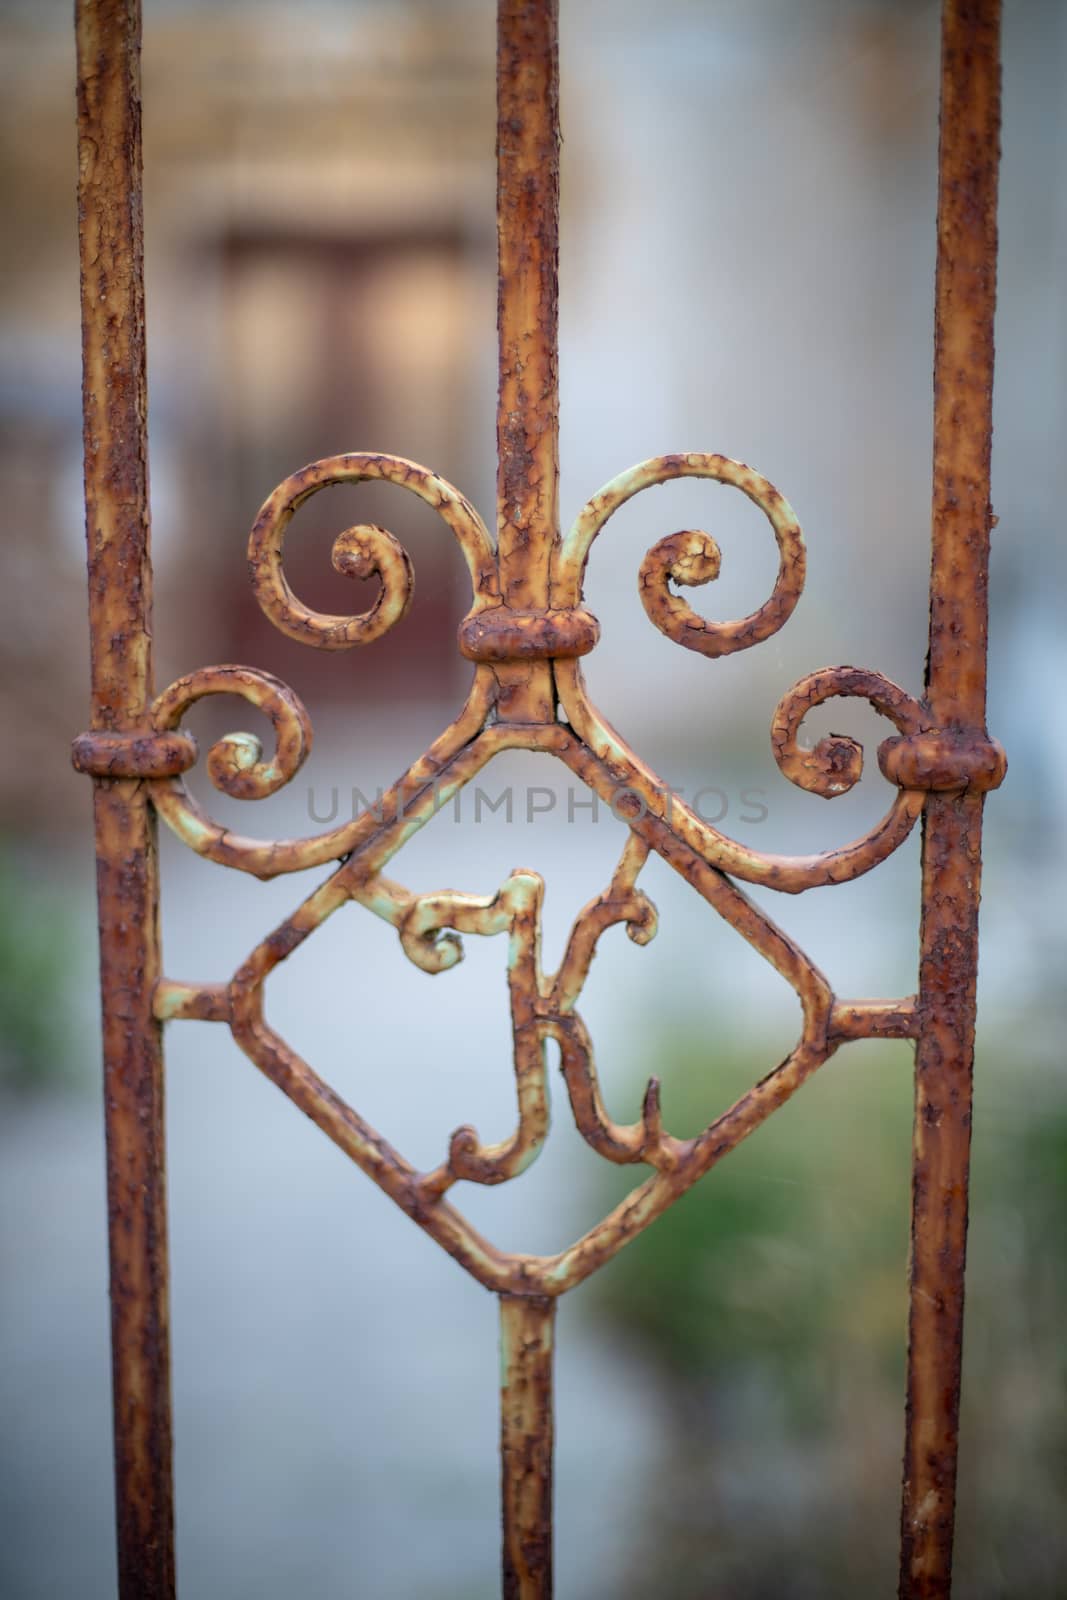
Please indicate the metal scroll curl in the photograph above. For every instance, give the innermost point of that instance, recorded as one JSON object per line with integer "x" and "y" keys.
{"x": 236, "y": 768}
{"x": 364, "y": 551}
{"x": 235, "y": 765}
{"x": 829, "y": 769}
{"x": 835, "y": 764}
{"x": 235, "y": 762}
{"x": 691, "y": 557}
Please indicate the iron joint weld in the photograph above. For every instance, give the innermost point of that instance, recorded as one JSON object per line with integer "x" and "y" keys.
{"x": 944, "y": 761}
{"x": 138, "y": 753}
{"x": 503, "y": 634}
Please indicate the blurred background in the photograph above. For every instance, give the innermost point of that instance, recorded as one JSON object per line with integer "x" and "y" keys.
{"x": 747, "y": 267}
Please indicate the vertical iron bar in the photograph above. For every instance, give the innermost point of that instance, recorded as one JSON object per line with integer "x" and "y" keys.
{"x": 526, "y": 1336}
{"x": 528, "y": 526}
{"x": 956, "y": 691}
{"x": 527, "y": 155}
{"x": 117, "y": 533}
{"x": 527, "y": 323}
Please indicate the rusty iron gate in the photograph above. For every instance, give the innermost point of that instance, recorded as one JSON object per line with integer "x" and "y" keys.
{"x": 525, "y": 634}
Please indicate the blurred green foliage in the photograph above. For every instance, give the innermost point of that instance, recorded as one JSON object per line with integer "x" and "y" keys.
{"x": 37, "y": 954}
{"x": 770, "y": 1307}
{"x": 796, "y": 1240}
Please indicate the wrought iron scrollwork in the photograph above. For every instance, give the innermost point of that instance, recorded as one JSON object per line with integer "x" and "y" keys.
{"x": 525, "y": 634}
{"x": 498, "y": 637}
